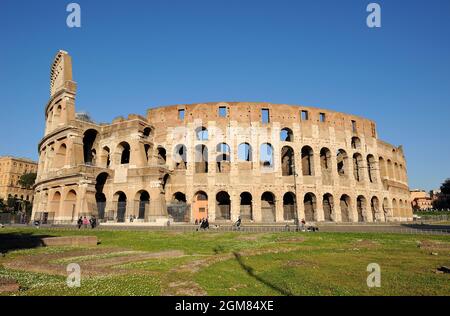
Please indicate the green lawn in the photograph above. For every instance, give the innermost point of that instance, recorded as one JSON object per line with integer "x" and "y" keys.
{"x": 232, "y": 263}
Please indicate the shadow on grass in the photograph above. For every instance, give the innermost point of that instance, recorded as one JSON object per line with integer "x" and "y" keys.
{"x": 251, "y": 273}
{"x": 17, "y": 241}
{"x": 425, "y": 226}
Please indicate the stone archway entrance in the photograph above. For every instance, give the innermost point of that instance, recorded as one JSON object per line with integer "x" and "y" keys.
{"x": 267, "y": 207}
{"x": 200, "y": 206}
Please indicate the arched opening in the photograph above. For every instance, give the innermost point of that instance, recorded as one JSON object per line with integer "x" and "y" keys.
{"x": 144, "y": 204}
{"x": 201, "y": 159}
{"x": 385, "y": 208}
{"x": 289, "y": 206}
{"x": 287, "y": 161}
{"x": 202, "y": 133}
{"x": 223, "y": 204}
{"x": 123, "y": 149}
{"x": 325, "y": 160}
{"x": 223, "y": 158}
{"x": 121, "y": 199}
{"x": 286, "y": 135}
{"x": 375, "y": 208}
{"x": 390, "y": 169}
{"x": 70, "y": 203}
{"x": 200, "y": 206}
{"x": 356, "y": 143}
{"x": 382, "y": 167}
{"x": 246, "y": 206}
{"x": 55, "y": 203}
{"x": 100, "y": 197}
{"x": 357, "y": 167}
{"x": 342, "y": 162}
{"x": 147, "y": 148}
{"x": 395, "y": 208}
{"x": 361, "y": 207}
{"x": 106, "y": 157}
{"x": 266, "y": 155}
{"x": 88, "y": 146}
{"x": 245, "y": 152}
{"x": 328, "y": 207}
{"x": 147, "y": 131}
{"x": 309, "y": 203}
{"x": 60, "y": 159}
{"x": 178, "y": 208}
{"x": 345, "y": 208}
{"x": 161, "y": 155}
{"x": 307, "y": 161}
{"x": 396, "y": 173}
{"x": 268, "y": 207}
{"x": 371, "y": 167}
{"x": 180, "y": 157}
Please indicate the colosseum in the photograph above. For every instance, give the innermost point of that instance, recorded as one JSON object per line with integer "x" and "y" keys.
{"x": 263, "y": 162}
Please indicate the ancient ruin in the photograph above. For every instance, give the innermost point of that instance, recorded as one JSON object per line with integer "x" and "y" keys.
{"x": 267, "y": 163}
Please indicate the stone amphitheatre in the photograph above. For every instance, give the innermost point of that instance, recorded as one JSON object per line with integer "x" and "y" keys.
{"x": 263, "y": 162}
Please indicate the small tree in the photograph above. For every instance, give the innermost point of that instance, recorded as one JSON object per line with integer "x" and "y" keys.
{"x": 27, "y": 180}
{"x": 443, "y": 198}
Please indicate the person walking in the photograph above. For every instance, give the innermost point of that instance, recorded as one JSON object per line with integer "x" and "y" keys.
{"x": 93, "y": 221}
{"x": 85, "y": 222}
{"x": 80, "y": 222}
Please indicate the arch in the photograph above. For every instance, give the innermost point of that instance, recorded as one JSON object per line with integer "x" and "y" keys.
{"x": 395, "y": 208}
{"x": 100, "y": 197}
{"x": 386, "y": 208}
{"x": 179, "y": 197}
{"x": 178, "y": 208}
{"x": 342, "y": 162}
{"x": 396, "y": 172}
{"x": 246, "y": 206}
{"x": 287, "y": 161}
{"x": 223, "y": 158}
{"x": 200, "y": 206}
{"x": 89, "y": 138}
{"x": 325, "y": 159}
{"x": 307, "y": 161}
{"x": 180, "y": 156}
{"x": 60, "y": 159}
{"x": 201, "y": 133}
{"x": 370, "y": 168}
{"x": 356, "y": 142}
{"x": 70, "y": 204}
{"x": 121, "y": 199}
{"x": 345, "y": 205}
{"x": 382, "y": 167}
{"x": 106, "y": 157}
{"x": 147, "y": 132}
{"x": 361, "y": 204}
{"x": 266, "y": 155}
{"x": 223, "y": 206}
{"x": 309, "y": 204}
{"x": 328, "y": 207}
{"x": 268, "y": 207}
{"x": 286, "y": 135}
{"x": 289, "y": 206}
{"x": 201, "y": 159}
{"x": 162, "y": 158}
{"x": 357, "y": 166}
{"x": 123, "y": 150}
{"x": 144, "y": 204}
{"x": 245, "y": 152}
{"x": 55, "y": 203}
{"x": 390, "y": 170}
{"x": 375, "y": 208}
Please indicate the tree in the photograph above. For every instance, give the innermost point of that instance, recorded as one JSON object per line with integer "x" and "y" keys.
{"x": 443, "y": 198}
{"x": 27, "y": 180}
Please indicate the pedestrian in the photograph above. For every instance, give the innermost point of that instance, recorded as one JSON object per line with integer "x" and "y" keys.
{"x": 303, "y": 224}
{"x": 93, "y": 221}
{"x": 80, "y": 222}
{"x": 85, "y": 222}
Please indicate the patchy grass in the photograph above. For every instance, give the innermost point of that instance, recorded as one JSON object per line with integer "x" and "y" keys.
{"x": 237, "y": 263}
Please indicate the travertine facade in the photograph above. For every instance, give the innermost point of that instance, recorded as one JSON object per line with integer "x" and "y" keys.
{"x": 11, "y": 169}
{"x": 263, "y": 162}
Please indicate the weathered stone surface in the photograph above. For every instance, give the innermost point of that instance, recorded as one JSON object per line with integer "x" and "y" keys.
{"x": 261, "y": 161}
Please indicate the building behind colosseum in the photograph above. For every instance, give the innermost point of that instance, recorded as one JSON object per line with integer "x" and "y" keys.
{"x": 260, "y": 161}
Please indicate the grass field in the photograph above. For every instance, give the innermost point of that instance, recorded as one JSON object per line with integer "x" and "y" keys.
{"x": 230, "y": 263}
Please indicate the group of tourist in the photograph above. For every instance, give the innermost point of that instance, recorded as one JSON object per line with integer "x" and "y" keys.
{"x": 204, "y": 223}
{"x": 84, "y": 221}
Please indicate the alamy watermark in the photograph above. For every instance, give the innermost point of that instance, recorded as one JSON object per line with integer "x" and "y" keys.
{"x": 374, "y": 278}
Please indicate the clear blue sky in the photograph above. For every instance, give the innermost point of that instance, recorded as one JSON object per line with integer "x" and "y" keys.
{"x": 132, "y": 55}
